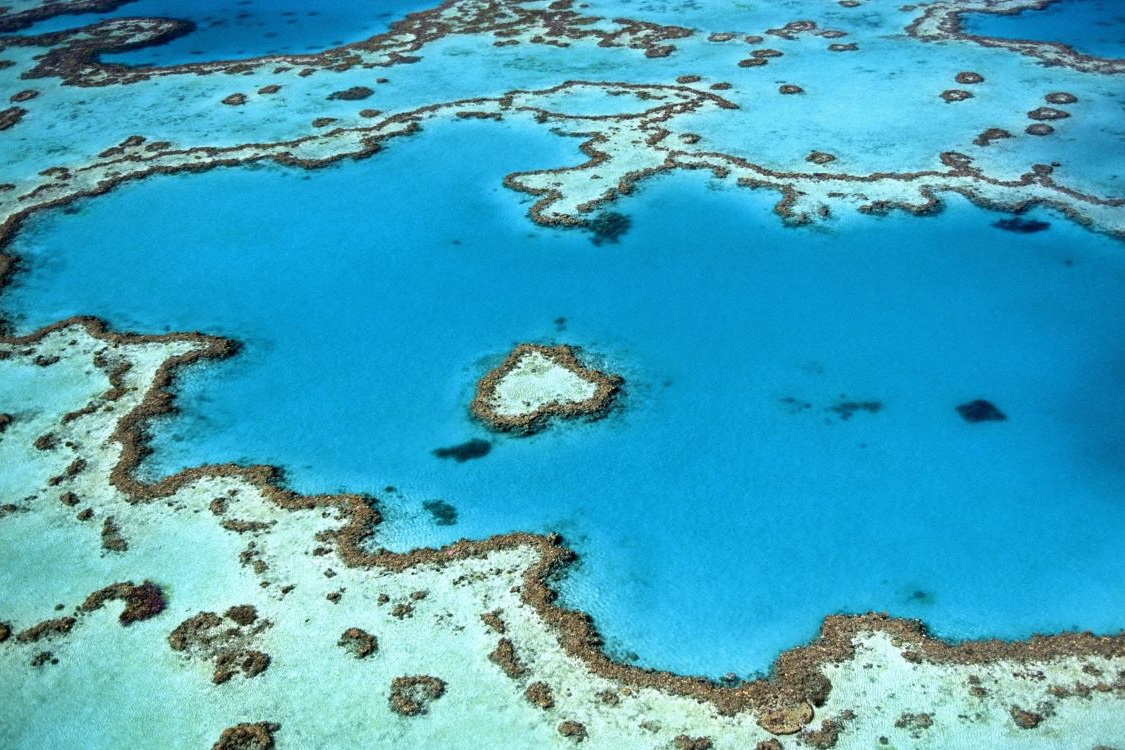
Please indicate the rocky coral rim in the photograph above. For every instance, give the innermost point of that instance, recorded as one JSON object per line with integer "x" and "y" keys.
{"x": 943, "y": 21}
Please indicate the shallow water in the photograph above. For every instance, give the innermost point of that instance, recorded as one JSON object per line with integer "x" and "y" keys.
{"x": 1092, "y": 27}
{"x": 231, "y": 29}
{"x": 728, "y": 504}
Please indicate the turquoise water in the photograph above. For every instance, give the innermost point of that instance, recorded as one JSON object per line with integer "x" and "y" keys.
{"x": 1093, "y": 27}
{"x": 230, "y": 29}
{"x": 728, "y": 505}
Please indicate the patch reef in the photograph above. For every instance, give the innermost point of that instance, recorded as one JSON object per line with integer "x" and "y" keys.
{"x": 535, "y": 383}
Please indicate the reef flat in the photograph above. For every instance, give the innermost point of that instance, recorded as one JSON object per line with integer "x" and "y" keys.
{"x": 305, "y": 598}
{"x": 218, "y": 590}
{"x": 283, "y": 108}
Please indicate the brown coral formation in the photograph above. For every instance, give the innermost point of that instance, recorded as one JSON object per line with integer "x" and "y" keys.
{"x": 956, "y": 95}
{"x": 785, "y": 719}
{"x": 229, "y": 649}
{"x": 242, "y": 614}
{"x": 790, "y": 88}
{"x": 234, "y": 100}
{"x": 45, "y": 629}
{"x": 1039, "y": 128}
{"x": 112, "y": 540}
{"x": 1025, "y": 719}
{"x": 23, "y": 96}
{"x": 1047, "y": 113}
{"x": 575, "y": 730}
{"x": 686, "y": 742}
{"x": 823, "y": 738}
{"x": 358, "y": 642}
{"x": 504, "y": 656}
{"x": 820, "y": 157}
{"x": 10, "y": 116}
{"x": 229, "y": 663}
{"x": 1060, "y": 97}
{"x": 990, "y": 135}
{"x": 142, "y": 602}
{"x": 256, "y": 736}
{"x": 539, "y": 694}
{"x": 492, "y": 620}
{"x": 968, "y": 77}
{"x": 595, "y": 406}
{"x": 412, "y": 695}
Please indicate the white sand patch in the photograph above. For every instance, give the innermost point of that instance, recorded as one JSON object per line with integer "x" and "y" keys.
{"x": 536, "y": 381}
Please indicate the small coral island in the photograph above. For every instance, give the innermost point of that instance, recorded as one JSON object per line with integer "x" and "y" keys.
{"x": 537, "y": 382}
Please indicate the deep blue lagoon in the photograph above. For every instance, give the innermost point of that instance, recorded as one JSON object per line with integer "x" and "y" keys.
{"x": 231, "y": 29}
{"x": 1092, "y": 27}
{"x": 787, "y": 445}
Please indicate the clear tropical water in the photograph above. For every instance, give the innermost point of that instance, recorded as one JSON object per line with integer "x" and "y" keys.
{"x": 1092, "y": 27}
{"x": 230, "y": 29}
{"x": 728, "y": 505}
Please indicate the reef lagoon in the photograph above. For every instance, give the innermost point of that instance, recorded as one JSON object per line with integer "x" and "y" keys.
{"x": 627, "y": 375}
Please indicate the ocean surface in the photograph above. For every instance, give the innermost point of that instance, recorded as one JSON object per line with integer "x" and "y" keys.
{"x": 787, "y": 445}
{"x": 232, "y": 29}
{"x": 1092, "y": 27}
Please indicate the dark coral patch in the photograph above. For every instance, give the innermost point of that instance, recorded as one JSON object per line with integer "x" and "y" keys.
{"x": 467, "y": 451}
{"x": 355, "y": 93}
{"x": 443, "y": 513}
{"x": 10, "y": 116}
{"x": 845, "y": 409}
{"x": 980, "y": 411}
{"x": 608, "y": 226}
{"x": 1022, "y": 226}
